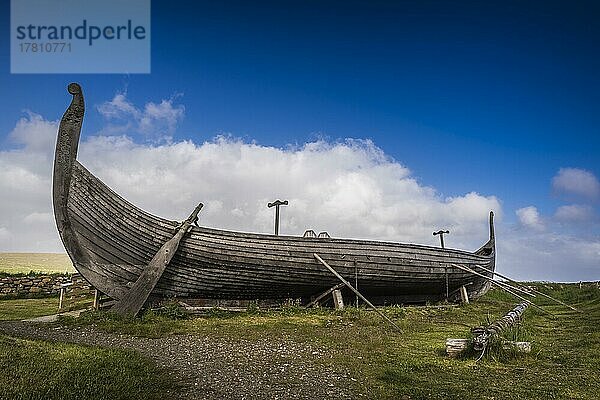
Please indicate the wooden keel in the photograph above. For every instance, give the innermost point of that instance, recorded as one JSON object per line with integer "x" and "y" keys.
{"x": 134, "y": 300}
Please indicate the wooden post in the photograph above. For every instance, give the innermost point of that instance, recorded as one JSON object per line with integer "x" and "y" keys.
{"x": 464, "y": 295}
{"x": 441, "y": 233}
{"x": 276, "y": 204}
{"x": 528, "y": 288}
{"x": 356, "y": 280}
{"x": 61, "y": 297}
{"x": 338, "y": 300}
{"x": 503, "y": 286}
{"x": 363, "y": 298}
{"x": 316, "y": 300}
{"x": 96, "y": 300}
{"x": 447, "y": 282}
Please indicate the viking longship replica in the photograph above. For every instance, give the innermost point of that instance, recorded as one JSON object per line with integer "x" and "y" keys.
{"x": 129, "y": 254}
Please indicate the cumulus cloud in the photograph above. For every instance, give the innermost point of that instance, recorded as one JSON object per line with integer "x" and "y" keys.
{"x": 529, "y": 217}
{"x": 25, "y": 187}
{"x": 578, "y": 182}
{"x": 155, "y": 121}
{"x": 574, "y": 213}
{"x": 349, "y": 188}
{"x": 548, "y": 256}
{"x": 32, "y": 131}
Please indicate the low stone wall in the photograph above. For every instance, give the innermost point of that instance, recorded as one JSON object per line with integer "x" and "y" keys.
{"x": 38, "y": 285}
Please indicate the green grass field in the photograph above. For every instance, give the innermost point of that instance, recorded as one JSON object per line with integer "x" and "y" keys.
{"x": 24, "y": 263}
{"x": 33, "y": 369}
{"x": 17, "y": 309}
{"x": 564, "y": 363}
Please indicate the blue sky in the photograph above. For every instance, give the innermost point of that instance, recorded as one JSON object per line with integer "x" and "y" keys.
{"x": 491, "y": 97}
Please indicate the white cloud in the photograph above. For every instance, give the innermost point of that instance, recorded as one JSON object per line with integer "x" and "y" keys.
{"x": 548, "y": 256}
{"x": 25, "y": 187}
{"x": 529, "y": 217}
{"x": 33, "y": 131}
{"x": 156, "y": 121}
{"x": 574, "y": 213}
{"x": 4, "y": 233}
{"x": 348, "y": 188}
{"x": 38, "y": 218}
{"x": 575, "y": 181}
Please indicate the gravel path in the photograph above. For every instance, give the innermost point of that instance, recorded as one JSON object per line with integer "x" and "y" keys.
{"x": 217, "y": 368}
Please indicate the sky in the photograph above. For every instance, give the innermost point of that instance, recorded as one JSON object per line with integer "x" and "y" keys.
{"x": 380, "y": 120}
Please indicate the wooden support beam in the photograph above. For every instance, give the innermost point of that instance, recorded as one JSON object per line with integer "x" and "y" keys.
{"x": 135, "y": 298}
{"x": 363, "y": 298}
{"x": 338, "y": 300}
{"x": 501, "y": 286}
{"x": 96, "y": 300}
{"x": 533, "y": 290}
{"x": 464, "y": 295}
{"x": 511, "y": 287}
{"x": 326, "y": 293}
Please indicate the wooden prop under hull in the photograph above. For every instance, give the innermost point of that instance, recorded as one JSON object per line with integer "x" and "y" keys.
{"x": 110, "y": 242}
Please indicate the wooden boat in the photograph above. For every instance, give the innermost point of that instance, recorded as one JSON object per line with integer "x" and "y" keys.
{"x": 111, "y": 242}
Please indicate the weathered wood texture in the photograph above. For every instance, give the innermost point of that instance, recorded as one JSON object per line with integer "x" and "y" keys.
{"x": 511, "y": 318}
{"x": 456, "y": 346}
{"x": 349, "y": 286}
{"x": 111, "y": 242}
{"x": 316, "y": 300}
{"x": 133, "y": 302}
{"x": 338, "y": 300}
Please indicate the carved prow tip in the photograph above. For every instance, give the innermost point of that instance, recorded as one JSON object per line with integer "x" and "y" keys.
{"x": 67, "y": 143}
{"x": 492, "y": 235}
{"x": 74, "y": 88}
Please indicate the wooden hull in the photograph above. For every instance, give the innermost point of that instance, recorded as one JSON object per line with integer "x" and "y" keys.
{"x": 110, "y": 241}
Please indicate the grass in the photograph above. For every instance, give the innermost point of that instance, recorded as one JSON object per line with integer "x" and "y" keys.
{"x": 17, "y": 309}
{"x": 42, "y": 370}
{"x": 388, "y": 364}
{"x": 33, "y": 369}
{"x": 563, "y": 364}
{"x": 24, "y": 263}
{"x": 21, "y": 308}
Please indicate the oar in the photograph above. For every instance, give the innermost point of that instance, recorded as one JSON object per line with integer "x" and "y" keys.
{"x": 469, "y": 270}
{"x": 533, "y": 290}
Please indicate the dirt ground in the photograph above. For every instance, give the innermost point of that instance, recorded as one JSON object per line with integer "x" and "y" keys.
{"x": 216, "y": 368}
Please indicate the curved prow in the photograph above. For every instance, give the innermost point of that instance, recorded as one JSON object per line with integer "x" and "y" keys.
{"x": 492, "y": 236}
{"x": 490, "y": 247}
{"x": 67, "y": 143}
